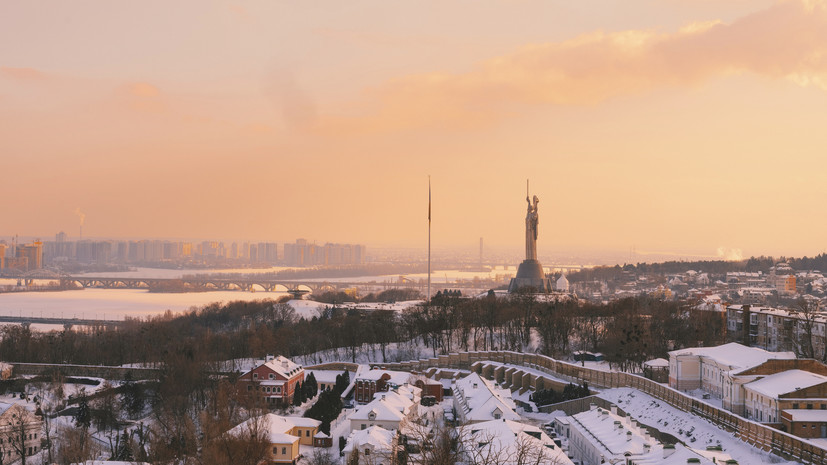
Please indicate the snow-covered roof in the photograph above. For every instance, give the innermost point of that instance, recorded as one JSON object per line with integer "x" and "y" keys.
{"x": 283, "y": 366}
{"x": 657, "y": 363}
{"x": 276, "y": 427}
{"x": 611, "y": 433}
{"x": 396, "y": 400}
{"x": 808, "y": 415}
{"x": 480, "y": 399}
{"x": 376, "y": 437}
{"x": 786, "y": 381}
{"x": 396, "y": 377}
{"x": 323, "y": 376}
{"x": 734, "y": 355}
{"x": 505, "y": 438}
{"x": 382, "y": 410}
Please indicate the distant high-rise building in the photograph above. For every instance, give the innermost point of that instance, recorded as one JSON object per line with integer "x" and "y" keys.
{"x": 303, "y": 254}
{"x": 33, "y": 253}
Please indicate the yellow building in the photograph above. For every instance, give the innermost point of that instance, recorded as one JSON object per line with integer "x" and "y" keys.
{"x": 284, "y": 434}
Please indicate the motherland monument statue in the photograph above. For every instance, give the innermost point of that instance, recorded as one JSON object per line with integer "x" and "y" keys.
{"x": 530, "y": 272}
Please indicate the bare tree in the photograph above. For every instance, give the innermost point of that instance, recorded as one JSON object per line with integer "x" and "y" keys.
{"x": 75, "y": 445}
{"x": 806, "y": 311}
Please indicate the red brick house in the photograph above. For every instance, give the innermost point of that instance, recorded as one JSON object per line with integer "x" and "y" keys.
{"x": 274, "y": 379}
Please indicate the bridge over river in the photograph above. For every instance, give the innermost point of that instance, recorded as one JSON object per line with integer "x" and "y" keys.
{"x": 247, "y": 283}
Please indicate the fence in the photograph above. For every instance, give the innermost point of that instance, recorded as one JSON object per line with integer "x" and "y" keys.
{"x": 763, "y": 437}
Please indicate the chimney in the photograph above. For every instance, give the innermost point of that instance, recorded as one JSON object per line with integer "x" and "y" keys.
{"x": 284, "y": 364}
{"x": 668, "y": 449}
{"x": 617, "y": 425}
{"x": 268, "y": 357}
{"x": 647, "y": 448}
{"x": 628, "y": 436}
{"x": 614, "y": 409}
{"x": 592, "y": 406}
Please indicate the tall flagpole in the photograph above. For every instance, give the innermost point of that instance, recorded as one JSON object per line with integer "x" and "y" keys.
{"x": 429, "y": 239}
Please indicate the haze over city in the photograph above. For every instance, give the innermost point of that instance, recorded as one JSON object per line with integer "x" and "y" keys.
{"x": 675, "y": 127}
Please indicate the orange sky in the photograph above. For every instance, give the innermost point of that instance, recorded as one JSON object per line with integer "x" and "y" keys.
{"x": 683, "y": 126}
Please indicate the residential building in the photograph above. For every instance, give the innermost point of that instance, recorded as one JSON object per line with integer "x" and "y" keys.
{"x": 388, "y": 410}
{"x": 367, "y": 382}
{"x": 805, "y": 423}
{"x": 705, "y": 367}
{"x": 476, "y": 399}
{"x": 792, "y": 389}
{"x": 734, "y": 397}
{"x": 375, "y": 445}
{"x": 283, "y": 434}
{"x": 20, "y": 432}
{"x": 274, "y": 380}
{"x": 509, "y": 442}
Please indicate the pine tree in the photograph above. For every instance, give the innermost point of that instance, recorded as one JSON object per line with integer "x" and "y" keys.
{"x": 83, "y": 417}
{"x": 311, "y": 387}
{"x": 298, "y": 395}
{"x": 124, "y": 452}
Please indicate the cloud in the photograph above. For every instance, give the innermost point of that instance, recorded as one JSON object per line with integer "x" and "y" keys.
{"x": 785, "y": 41}
{"x": 296, "y": 106}
{"x": 143, "y": 89}
{"x": 27, "y": 74}
{"x": 725, "y": 253}
{"x": 143, "y": 97}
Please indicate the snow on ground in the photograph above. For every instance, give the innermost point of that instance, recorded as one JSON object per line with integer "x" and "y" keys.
{"x": 694, "y": 431}
{"x": 309, "y": 308}
{"x": 710, "y": 399}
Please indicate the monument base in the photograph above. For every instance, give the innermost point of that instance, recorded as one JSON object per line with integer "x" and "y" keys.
{"x": 530, "y": 274}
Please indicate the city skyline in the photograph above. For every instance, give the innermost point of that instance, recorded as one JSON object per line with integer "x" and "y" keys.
{"x": 671, "y": 128}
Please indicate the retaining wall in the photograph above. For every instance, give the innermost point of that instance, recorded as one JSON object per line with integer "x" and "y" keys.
{"x": 756, "y": 434}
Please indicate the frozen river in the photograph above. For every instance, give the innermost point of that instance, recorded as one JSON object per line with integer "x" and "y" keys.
{"x": 115, "y": 304}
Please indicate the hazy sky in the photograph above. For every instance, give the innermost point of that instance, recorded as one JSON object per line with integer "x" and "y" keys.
{"x": 668, "y": 125}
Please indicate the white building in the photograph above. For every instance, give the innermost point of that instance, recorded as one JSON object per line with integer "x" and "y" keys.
{"x": 767, "y": 397}
{"x": 477, "y": 399}
{"x": 376, "y": 445}
{"x": 599, "y": 436}
{"x": 705, "y": 367}
{"x": 388, "y": 410}
{"x": 509, "y": 442}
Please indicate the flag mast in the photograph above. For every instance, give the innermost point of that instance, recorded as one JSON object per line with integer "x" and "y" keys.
{"x": 428, "y": 298}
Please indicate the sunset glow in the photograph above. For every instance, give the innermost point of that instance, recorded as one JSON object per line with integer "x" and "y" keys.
{"x": 677, "y": 126}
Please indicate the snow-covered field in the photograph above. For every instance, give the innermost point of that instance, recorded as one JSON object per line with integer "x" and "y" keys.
{"x": 694, "y": 431}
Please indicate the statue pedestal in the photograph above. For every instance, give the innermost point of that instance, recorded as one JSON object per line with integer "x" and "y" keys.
{"x": 530, "y": 274}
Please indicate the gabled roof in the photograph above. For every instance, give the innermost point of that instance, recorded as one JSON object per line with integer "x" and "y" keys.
{"x": 275, "y": 427}
{"x": 734, "y": 355}
{"x": 505, "y": 438}
{"x": 479, "y": 399}
{"x": 785, "y": 382}
{"x": 382, "y": 409}
{"x": 283, "y": 366}
{"x": 377, "y": 437}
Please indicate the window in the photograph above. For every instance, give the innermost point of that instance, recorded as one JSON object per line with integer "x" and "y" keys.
{"x": 283, "y": 451}
{"x": 367, "y": 451}
{"x": 275, "y": 450}
{"x": 363, "y": 426}
{"x": 278, "y": 390}
{"x": 255, "y": 375}
{"x": 497, "y": 416}
{"x": 249, "y": 388}
{"x": 809, "y": 406}
{"x": 795, "y": 405}
{"x": 271, "y": 376}
{"x": 307, "y": 434}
